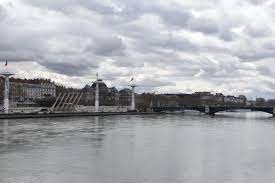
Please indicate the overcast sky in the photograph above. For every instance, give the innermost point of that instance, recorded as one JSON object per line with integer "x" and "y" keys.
{"x": 166, "y": 45}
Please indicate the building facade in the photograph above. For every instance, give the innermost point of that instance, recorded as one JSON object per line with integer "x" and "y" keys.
{"x": 30, "y": 92}
{"x": 27, "y": 91}
{"x": 107, "y": 96}
{"x": 125, "y": 97}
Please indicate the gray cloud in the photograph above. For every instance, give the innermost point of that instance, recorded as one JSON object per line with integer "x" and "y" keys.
{"x": 154, "y": 83}
{"x": 258, "y": 30}
{"x": 108, "y": 47}
{"x": 181, "y": 45}
{"x": 2, "y": 13}
{"x": 204, "y": 25}
{"x": 69, "y": 69}
{"x": 257, "y": 2}
{"x": 174, "y": 16}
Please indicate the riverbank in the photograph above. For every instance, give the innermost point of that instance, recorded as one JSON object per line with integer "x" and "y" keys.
{"x": 71, "y": 114}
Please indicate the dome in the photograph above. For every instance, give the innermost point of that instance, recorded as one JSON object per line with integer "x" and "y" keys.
{"x": 101, "y": 85}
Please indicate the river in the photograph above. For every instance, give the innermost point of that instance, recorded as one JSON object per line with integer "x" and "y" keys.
{"x": 230, "y": 147}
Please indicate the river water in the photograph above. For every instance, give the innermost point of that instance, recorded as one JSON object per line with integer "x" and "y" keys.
{"x": 230, "y": 147}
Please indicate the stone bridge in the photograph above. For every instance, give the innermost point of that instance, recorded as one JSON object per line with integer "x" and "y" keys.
{"x": 211, "y": 110}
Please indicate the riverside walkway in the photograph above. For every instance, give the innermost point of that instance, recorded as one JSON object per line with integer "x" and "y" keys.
{"x": 69, "y": 114}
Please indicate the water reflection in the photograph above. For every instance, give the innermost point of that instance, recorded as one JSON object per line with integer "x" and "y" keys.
{"x": 5, "y": 133}
{"x": 231, "y": 147}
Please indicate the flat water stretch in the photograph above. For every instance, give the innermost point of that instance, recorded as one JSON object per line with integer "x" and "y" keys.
{"x": 230, "y": 147}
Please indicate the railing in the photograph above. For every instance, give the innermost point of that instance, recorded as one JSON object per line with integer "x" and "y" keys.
{"x": 27, "y": 109}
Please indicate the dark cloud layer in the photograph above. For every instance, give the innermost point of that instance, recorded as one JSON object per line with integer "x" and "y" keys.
{"x": 109, "y": 47}
{"x": 69, "y": 69}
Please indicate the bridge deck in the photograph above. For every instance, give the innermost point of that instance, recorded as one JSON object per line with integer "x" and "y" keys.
{"x": 214, "y": 109}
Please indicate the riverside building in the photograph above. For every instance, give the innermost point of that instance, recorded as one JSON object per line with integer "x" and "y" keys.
{"x": 24, "y": 92}
{"x": 107, "y": 96}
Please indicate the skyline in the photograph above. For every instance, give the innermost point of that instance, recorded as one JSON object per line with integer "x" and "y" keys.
{"x": 188, "y": 46}
{"x": 38, "y": 80}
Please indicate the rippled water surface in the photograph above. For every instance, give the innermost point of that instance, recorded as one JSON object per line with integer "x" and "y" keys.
{"x": 231, "y": 147}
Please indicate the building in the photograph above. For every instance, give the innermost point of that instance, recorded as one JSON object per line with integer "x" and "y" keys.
{"x": 189, "y": 100}
{"x": 170, "y": 100}
{"x": 260, "y": 102}
{"x": 232, "y": 100}
{"x": 27, "y": 91}
{"x": 125, "y": 97}
{"x": 243, "y": 99}
{"x": 270, "y": 102}
{"x": 219, "y": 99}
{"x": 107, "y": 96}
{"x": 206, "y": 98}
